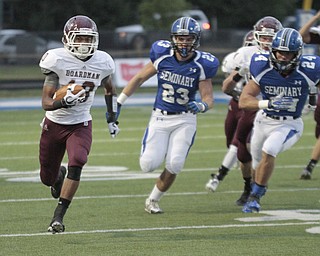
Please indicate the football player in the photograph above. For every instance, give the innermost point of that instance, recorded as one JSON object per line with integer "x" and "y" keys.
{"x": 182, "y": 71}
{"x": 234, "y": 113}
{"x": 263, "y": 32}
{"x": 67, "y": 124}
{"x": 284, "y": 78}
{"x": 311, "y": 35}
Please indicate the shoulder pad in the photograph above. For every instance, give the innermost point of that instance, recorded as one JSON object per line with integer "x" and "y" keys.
{"x": 45, "y": 71}
{"x": 209, "y": 63}
{"x": 160, "y": 48}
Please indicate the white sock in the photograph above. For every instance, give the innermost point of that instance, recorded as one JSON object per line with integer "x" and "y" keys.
{"x": 156, "y": 194}
{"x": 231, "y": 157}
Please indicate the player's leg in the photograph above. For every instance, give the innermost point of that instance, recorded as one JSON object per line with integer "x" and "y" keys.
{"x": 315, "y": 154}
{"x": 78, "y": 148}
{"x": 153, "y": 151}
{"x": 279, "y": 138}
{"x": 230, "y": 158}
{"x": 258, "y": 137}
{"x": 243, "y": 135}
{"x": 154, "y": 144}
{"x": 51, "y": 151}
{"x": 163, "y": 183}
{"x": 180, "y": 140}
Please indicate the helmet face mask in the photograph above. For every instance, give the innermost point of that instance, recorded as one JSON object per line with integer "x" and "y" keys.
{"x": 80, "y": 36}
{"x": 288, "y": 41}
{"x": 266, "y": 28}
{"x": 184, "y": 44}
{"x": 185, "y": 27}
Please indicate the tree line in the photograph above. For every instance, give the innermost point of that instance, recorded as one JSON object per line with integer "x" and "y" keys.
{"x": 44, "y": 15}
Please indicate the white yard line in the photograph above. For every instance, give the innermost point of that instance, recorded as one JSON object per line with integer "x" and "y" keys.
{"x": 165, "y": 228}
{"x": 145, "y": 195}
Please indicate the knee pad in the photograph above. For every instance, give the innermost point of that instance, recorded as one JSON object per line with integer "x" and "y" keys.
{"x": 243, "y": 154}
{"x": 146, "y": 165}
{"x": 47, "y": 176}
{"x": 149, "y": 164}
{"x": 74, "y": 173}
{"x": 46, "y": 181}
{"x": 176, "y": 165}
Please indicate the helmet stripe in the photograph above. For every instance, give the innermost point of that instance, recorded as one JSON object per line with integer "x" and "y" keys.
{"x": 285, "y": 38}
{"x": 185, "y": 22}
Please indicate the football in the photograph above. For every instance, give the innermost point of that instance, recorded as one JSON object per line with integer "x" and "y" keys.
{"x": 61, "y": 92}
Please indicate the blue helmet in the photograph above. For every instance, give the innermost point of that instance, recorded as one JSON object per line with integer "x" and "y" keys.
{"x": 185, "y": 26}
{"x": 286, "y": 40}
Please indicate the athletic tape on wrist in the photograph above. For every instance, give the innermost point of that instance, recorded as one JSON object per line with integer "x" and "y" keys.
{"x": 263, "y": 104}
{"x": 122, "y": 98}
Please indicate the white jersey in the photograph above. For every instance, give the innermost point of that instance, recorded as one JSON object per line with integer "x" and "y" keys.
{"x": 315, "y": 30}
{"x": 228, "y": 65}
{"x": 243, "y": 55}
{"x": 68, "y": 67}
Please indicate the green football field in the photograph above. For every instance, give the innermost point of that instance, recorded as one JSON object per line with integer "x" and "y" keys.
{"x": 107, "y": 215}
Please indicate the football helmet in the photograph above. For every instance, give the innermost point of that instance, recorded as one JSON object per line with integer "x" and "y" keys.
{"x": 266, "y": 26}
{"x": 80, "y": 26}
{"x": 185, "y": 26}
{"x": 248, "y": 39}
{"x": 286, "y": 40}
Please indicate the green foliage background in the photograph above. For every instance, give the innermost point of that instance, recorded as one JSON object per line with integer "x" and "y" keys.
{"x": 51, "y": 15}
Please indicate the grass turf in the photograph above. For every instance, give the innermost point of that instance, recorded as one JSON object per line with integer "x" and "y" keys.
{"x": 107, "y": 217}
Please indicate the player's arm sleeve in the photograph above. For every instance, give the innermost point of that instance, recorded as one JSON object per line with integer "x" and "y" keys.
{"x": 51, "y": 78}
{"x": 110, "y": 97}
{"x": 51, "y": 83}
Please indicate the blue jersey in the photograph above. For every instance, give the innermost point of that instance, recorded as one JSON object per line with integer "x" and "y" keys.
{"x": 178, "y": 81}
{"x": 296, "y": 85}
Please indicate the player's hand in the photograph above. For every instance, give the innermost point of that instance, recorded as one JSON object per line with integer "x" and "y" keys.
{"x": 196, "y": 107}
{"x": 235, "y": 95}
{"x": 280, "y": 102}
{"x": 113, "y": 129}
{"x": 243, "y": 70}
{"x": 71, "y": 99}
{"x": 308, "y": 108}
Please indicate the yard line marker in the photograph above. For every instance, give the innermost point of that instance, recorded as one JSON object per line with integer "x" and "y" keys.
{"x": 145, "y": 195}
{"x": 163, "y": 229}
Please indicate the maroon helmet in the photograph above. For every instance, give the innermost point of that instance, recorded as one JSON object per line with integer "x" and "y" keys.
{"x": 266, "y": 27}
{"x": 248, "y": 39}
{"x": 80, "y": 26}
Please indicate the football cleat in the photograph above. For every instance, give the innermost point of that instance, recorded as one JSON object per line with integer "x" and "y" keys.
{"x": 56, "y": 226}
{"x": 251, "y": 206}
{"x": 213, "y": 184}
{"x": 152, "y": 206}
{"x": 56, "y": 188}
{"x": 305, "y": 175}
{"x": 243, "y": 198}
